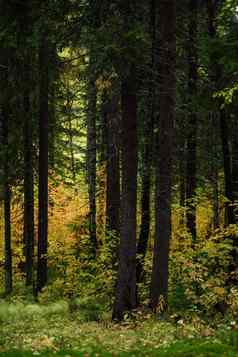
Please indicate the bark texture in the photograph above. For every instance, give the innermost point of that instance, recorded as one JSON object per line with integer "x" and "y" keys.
{"x": 167, "y": 95}
{"x": 91, "y": 163}
{"x": 28, "y": 153}
{"x": 113, "y": 168}
{"x": 216, "y": 76}
{"x": 7, "y": 205}
{"x": 126, "y": 285}
{"x": 43, "y": 164}
{"x": 147, "y": 156}
{"x": 192, "y": 119}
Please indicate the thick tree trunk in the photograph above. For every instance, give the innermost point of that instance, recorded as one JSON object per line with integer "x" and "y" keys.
{"x": 126, "y": 285}
{"x": 147, "y": 158}
{"x": 192, "y": 120}
{"x": 43, "y": 164}
{"x": 167, "y": 96}
{"x": 91, "y": 163}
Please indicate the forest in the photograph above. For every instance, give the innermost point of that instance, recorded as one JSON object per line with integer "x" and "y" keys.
{"x": 118, "y": 178}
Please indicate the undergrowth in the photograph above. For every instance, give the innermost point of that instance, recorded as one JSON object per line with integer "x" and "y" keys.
{"x": 62, "y": 330}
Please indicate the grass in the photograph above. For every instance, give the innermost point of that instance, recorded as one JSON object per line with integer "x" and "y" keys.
{"x": 184, "y": 348}
{"x": 28, "y": 330}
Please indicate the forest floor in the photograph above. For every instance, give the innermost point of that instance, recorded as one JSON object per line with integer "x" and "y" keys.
{"x": 57, "y": 329}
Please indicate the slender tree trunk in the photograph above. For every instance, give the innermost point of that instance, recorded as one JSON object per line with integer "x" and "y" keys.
{"x": 214, "y": 169}
{"x": 235, "y": 168}
{"x": 71, "y": 139}
{"x": 5, "y": 166}
{"x": 52, "y": 108}
{"x": 216, "y": 75}
{"x": 126, "y": 285}
{"x": 7, "y": 237}
{"x": 167, "y": 96}
{"x": 103, "y": 145}
{"x": 43, "y": 165}
{"x": 91, "y": 162}
{"x": 113, "y": 169}
{"x": 52, "y": 127}
{"x": 182, "y": 183}
{"x": 28, "y": 232}
{"x": 7, "y": 206}
{"x": 192, "y": 120}
{"x": 147, "y": 158}
{"x": 229, "y": 211}
{"x": 28, "y": 177}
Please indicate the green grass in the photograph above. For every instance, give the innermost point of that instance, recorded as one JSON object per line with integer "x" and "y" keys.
{"x": 51, "y": 329}
{"x": 195, "y": 348}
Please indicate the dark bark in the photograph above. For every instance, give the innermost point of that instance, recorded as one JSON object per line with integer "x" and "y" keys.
{"x": 192, "y": 119}
{"x": 113, "y": 169}
{"x": 52, "y": 127}
{"x": 52, "y": 107}
{"x": 103, "y": 144}
{"x": 147, "y": 157}
{"x": 28, "y": 231}
{"x": 229, "y": 211}
{"x": 71, "y": 138}
{"x": 214, "y": 168}
{"x": 43, "y": 164}
{"x": 234, "y": 165}
{"x": 91, "y": 163}
{"x": 7, "y": 237}
{"x": 6, "y": 165}
{"x": 216, "y": 75}
{"x": 7, "y": 205}
{"x": 167, "y": 96}
{"x": 28, "y": 177}
{"x": 125, "y": 299}
{"x": 182, "y": 183}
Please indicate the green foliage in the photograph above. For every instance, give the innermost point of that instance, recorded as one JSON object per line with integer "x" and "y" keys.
{"x": 199, "y": 275}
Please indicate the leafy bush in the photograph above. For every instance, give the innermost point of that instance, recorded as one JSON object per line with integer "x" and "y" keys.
{"x": 199, "y": 276}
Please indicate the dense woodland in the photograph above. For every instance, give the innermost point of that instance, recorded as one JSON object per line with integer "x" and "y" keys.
{"x": 119, "y": 156}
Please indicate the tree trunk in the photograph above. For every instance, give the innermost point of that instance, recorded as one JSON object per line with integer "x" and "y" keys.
{"x": 126, "y": 285}
{"x": 216, "y": 76}
{"x": 43, "y": 164}
{"x": 71, "y": 139}
{"x": 113, "y": 169}
{"x": 235, "y": 168}
{"x": 91, "y": 163}
{"x": 147, "y": 158}
{"x": 28, "y": 231}
{"x": 167, "y": 96}
{"x": 192, "y": 120}
{"x": 7, "y": 206}
{"x": 28, "y": 177}
{"x": 5, "y": 166}
{"x": 229, "y": 211}
{"x": 214, "y": 169}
